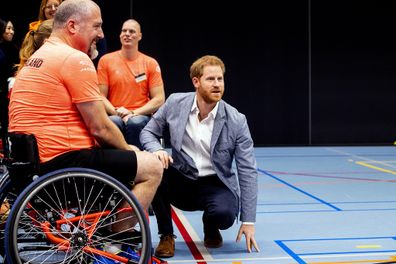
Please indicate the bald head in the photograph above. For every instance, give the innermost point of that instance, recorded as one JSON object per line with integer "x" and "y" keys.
{"x": 133, "y": 22}
{"x": 73, "y": 9}
{"x": 78, "y": 23}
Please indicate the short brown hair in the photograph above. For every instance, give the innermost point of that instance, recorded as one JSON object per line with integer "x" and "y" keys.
{"x": 196, "y": 69}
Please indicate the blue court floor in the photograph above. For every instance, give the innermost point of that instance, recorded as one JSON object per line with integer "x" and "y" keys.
{"x": 316, "y": 205}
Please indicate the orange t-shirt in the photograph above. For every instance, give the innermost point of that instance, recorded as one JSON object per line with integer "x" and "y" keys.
{"x": 44, "y": 97}
{"x": 129, "y": 82}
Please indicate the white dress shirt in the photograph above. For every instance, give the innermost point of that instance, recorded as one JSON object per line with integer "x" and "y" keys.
{"x": 196, "y": 139}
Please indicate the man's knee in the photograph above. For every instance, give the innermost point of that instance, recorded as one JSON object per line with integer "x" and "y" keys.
{"x": 223, "y": 217}
{"x": 117, "y": 120}
{"x": 227, "y": 221}
{"x": 149, "y": 167}
{"x": 138, "y": 122}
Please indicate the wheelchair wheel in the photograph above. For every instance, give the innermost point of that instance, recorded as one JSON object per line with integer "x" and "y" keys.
{"x": 66, "y": 217}
{"x": 7, "y": 199}
{"x": 5, "y": 186}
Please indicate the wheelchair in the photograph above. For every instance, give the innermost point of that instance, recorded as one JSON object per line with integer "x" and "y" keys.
{"x": 65, "y": 216}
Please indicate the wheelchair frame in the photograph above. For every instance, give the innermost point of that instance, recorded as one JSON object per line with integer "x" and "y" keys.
{"x": 64, "y": 216}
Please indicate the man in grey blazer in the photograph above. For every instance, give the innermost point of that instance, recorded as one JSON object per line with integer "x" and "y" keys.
{"x": 206, "y": 136}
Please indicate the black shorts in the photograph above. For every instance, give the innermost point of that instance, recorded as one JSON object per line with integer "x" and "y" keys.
{"x": 120, "y": 164}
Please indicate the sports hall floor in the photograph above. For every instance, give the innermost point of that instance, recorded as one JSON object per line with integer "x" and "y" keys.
{"x": 316, "y": 205}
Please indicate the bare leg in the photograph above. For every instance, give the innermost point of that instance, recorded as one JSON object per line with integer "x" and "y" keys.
{"x": 147, "y": 180}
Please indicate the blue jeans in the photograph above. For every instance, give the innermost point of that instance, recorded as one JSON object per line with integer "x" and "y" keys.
{"x": 132, "y": 128}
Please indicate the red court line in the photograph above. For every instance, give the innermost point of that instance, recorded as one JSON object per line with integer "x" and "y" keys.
{"x": 187, "y": 238}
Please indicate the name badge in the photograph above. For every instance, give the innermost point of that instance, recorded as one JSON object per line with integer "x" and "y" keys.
{"x": 141, "y": 77}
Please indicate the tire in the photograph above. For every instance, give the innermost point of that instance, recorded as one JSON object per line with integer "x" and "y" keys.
{"x": 7, "y": 199}
{"x": 50, "y": 221}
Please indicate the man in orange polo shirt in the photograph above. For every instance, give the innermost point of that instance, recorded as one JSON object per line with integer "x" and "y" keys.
{"x": 56, "y": 97}
{"x": 132, "y": 83}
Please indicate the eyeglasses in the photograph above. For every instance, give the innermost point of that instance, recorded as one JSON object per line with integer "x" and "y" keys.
{"x": 52, "y": 6}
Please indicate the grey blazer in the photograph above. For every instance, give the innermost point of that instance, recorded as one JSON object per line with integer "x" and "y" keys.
{"x": 231, "y": 141}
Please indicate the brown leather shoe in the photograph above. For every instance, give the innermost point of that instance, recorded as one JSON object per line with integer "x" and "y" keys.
{"x": 166, "y": 247}
{"x": 213, "y": 240}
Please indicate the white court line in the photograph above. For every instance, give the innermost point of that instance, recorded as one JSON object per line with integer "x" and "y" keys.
{"x": 233, "y": 260}
{"x": 342, "y": 257}
{"x": 195, "y": 238}
{"x": 305, "y": 258}
{"x": 386, "y": 163}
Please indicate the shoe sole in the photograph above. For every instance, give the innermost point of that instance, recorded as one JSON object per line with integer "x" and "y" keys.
{"x": 164, "y": 256}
